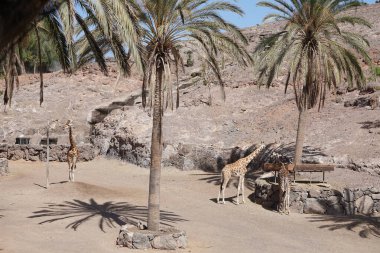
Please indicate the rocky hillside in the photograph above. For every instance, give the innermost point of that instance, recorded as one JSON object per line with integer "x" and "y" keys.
{"x": 198, "y": 135}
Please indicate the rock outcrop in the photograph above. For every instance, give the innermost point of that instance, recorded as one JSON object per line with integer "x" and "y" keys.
{"x": 58, "y": 153}
{"x": 321, "y": 199}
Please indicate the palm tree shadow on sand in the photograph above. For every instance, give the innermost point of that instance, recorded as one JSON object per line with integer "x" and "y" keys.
{"x": 109, "y": 213}
{"x": 365, "y": 226}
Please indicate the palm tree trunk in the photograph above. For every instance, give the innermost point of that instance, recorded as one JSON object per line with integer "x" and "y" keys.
{"x": 40, "y": 65}
{"x": 155, "y": 158}
{"x": 5, "y": 96}
{"x": 15, "y": 73}
{"x": 20, "y": 62}
{"x": 117, "y": 81}
{"x": 302, "y": 121}
{"x": 47, "y": 154}
{"x": 9, "y": 77}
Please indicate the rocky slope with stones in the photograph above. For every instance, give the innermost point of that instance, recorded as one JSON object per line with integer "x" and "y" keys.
{"x": 200, "y": 135}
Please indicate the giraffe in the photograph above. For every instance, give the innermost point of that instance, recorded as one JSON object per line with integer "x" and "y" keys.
{"x": 72, "y": 153}
{"x": 237, "y": 169}
{"x": 284, "y": 190}
{"x": 283, "y": 183}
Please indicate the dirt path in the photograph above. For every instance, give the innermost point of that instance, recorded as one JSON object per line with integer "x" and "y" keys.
{"x": 85, "y": 216}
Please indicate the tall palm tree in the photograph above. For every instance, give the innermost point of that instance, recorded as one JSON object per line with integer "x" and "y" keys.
{"x": 52, "y": 28}
{"x": 16, "y": 17}
{"x": 313, "y": 50}
{"x": 166, "y": 25}
{"x": 107, "y": 26}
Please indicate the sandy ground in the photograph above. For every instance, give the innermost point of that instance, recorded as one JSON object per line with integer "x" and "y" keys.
{"x": 85, "y": 216}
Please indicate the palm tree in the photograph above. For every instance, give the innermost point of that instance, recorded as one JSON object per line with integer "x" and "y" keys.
{"x": 314, "y": 52}
{"x": 52, "y": 29}
{"x": 166, "y": 25}
{"x": 16, "y": 18}
{"x": 107, "y": 26}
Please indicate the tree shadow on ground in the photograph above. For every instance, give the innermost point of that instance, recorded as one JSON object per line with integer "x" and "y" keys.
{"x": 109, "y": 213}
{"x": 370, "y": 124}
{"x": 365, "y": 226}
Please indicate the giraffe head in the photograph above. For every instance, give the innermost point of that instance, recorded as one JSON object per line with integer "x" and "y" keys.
{"x": 69, "y": 123}
{"x": 261, "y": 147}
{"x": 52, "y": 124}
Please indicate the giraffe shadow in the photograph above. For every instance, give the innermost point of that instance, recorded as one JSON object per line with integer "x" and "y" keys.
{"x": 109, "y": 214}
{"x": 61, "y": 182}
{"x": 44, "y": 186}
{"x": 228, "y": 199}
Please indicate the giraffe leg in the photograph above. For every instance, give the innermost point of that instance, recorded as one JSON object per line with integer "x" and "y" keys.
{"x": 238, "y": 190}
{"x": 69, "y": 171}
{"x": 73, "y": 167}
{"x": 242, "y": 188}
{"x": 223, "y": 188}
{"x": 287, "y": 197}
{"x": 220, "y": 188}
{"x": 75, "y": 159}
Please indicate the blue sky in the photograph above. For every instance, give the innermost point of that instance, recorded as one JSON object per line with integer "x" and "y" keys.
{"x": 253, "y": 14}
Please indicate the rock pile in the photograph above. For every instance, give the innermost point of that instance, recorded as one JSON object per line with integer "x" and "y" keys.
{"x": 167, "y": 239}
{"x": 321, "y": 198}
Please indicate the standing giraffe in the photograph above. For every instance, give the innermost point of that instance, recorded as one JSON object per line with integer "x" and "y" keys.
{"x": 283, "y": 184}
{"x": 284, "y": 190}
{"x": 237, "y": 169}
{"x": 72, "y": 153}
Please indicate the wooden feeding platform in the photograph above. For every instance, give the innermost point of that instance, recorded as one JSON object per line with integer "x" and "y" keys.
{"x": 303, "y": 167}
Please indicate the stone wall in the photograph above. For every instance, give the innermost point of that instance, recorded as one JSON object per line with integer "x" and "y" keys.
{"x": 320, "y": 198}
{"x": 38, "y": 152}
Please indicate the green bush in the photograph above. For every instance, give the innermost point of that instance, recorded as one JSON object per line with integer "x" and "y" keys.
{"x": 377, "y": 71}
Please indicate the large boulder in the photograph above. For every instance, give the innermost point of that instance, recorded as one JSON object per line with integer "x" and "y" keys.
{"x": 364, "y": 205}
{"x": 314, "y": 206}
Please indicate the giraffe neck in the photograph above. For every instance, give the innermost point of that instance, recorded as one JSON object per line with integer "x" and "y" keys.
{"x": 246, "y": 160}
{"x": 72, "y": 142}
{"x": 283, "y": 171}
